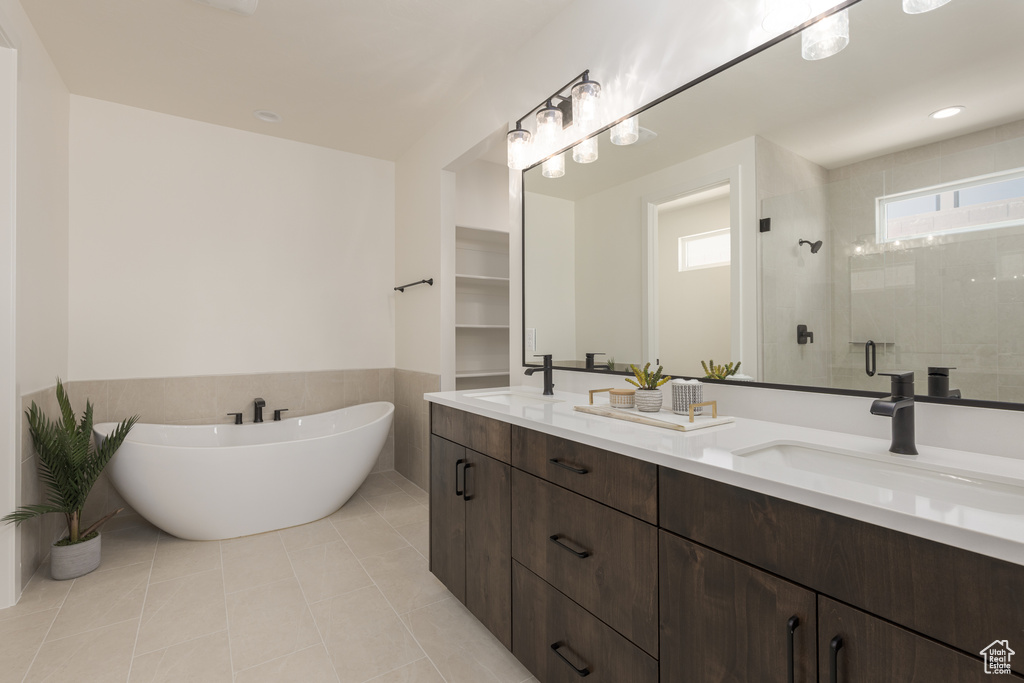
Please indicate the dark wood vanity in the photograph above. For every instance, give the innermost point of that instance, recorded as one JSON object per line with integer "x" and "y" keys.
{"x": 588, "y": 563}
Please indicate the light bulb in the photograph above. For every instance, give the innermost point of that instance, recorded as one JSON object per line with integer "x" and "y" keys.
{"x": 585, "y": 97}
{"x": 626, "y": 132}
{"x": 826, "y": 37}
{"x": 549, "y": 126}
{"x": 586, "y": 151}
{"x": 518, "y": 148}
{"x": 921, "y": 6}
{"x": 554, "y": 167}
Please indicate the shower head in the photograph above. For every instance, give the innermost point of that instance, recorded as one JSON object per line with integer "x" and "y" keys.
{"x": 815, "y": 246}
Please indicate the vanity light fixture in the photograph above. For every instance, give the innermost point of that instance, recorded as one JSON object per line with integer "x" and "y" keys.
{"x": 575, "y": 102}
{"x": 554, "y": 167}
{"x": 947, "y": 112}
{"x": 826, "y": 37}
{"x": 921, "y": 6}
{"x": 267, "y": 116}
{"x": 626, "y": 132}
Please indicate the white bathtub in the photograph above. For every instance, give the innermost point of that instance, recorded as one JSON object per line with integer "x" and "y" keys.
{"x": 210, "y": 482}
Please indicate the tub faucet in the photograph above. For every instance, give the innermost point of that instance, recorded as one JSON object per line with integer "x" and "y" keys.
{"x": 900, "y": 407}
{"x": 592, "y": 365}
{"x": 259, "y": 404}
{"x": 549, "y": 382}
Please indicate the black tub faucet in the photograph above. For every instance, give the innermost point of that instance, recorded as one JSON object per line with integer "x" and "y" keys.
{"x": 549, "y": 382}
{"x": 591, "y": 365}
{"x": 938, "y": 383}
{"x": 259, "y": 404}
{"x": 900, "y": 407}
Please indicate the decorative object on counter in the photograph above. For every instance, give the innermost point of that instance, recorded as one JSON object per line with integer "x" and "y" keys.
{"x": 693, "y": 407}
{"x": 70, "y": 464}
{"x": 648, "y": 395}
{"x": 712, "y": 371}
{"x": 679, "y": 423}
{"x": 740, "y": 378}
{"x": 622, "y": 398}
{"x": 596, "y": 391}
{"x": 685, "y": 392}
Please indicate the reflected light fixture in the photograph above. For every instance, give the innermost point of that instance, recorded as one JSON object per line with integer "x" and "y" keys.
{"x": 626, "y": 132}
{"x": 921, "y": 6}
{"x": 554, "y": 167}
{"x": 586, "y": 151}
{"x": 826, "y": 37}
{"x": 267, "y": 116}
{"x": 947, "y": 112}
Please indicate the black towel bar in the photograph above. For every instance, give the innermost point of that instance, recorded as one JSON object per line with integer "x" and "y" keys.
{"x": 413, "y": 284}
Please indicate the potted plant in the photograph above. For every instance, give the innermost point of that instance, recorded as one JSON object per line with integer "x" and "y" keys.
{"x": 712, "y": 371}
{"x": 648, "y": 395}
{"x": 69, "y": 466}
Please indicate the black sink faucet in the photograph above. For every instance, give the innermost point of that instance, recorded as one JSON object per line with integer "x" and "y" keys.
{"x": 591, "y": 365}
{"x": 549, "y": 382}
{"x": 259, "y": 404}
{"x": 938, "y": 383}
{"x": 900, "y": 407}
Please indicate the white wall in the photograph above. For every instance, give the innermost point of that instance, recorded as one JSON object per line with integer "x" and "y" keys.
{"x": 198, "y": 249}
{"x": 550, "y": 289}
{"x": 696, "y": 319}
{"x": 481, "y": 196}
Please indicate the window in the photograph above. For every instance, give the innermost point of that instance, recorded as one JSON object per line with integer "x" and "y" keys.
{"x": 982, "y": 203}
{"x": 705, "y": 250}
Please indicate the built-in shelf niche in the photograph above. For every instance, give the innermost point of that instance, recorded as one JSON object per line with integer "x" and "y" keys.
{"x": 481, "y": 308}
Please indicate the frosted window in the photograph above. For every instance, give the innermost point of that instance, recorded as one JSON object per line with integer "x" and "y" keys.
{"x": 705, "y": 250}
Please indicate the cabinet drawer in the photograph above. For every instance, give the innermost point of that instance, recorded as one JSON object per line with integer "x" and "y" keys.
{"x": 940, "y": 591}
{"x": 624, "y": 483}
{"x": 601, "y": 558}
{"x": 481, "y": 434}
{"x": 543, "y": 619}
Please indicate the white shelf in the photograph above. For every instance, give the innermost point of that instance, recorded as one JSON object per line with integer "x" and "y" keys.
{"x": 471, "y": 279}
{"x": 482, "y": 373}
{"x": 481, "y": 327}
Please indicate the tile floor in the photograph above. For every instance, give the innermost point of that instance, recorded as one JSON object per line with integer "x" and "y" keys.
{"x": 346, "y": 599}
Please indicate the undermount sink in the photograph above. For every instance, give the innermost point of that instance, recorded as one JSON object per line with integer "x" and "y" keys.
{"x": 513, "y": 398}
{"x": 881, "y": 478}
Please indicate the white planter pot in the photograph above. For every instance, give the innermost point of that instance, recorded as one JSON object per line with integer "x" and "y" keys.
{"x": 648, "y": 400}
{"x": 72, "y": 561}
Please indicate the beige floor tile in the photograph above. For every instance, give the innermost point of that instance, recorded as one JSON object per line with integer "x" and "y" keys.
{"x": 312, "y": 665}
{"x": 404, "y": 579}
{"x": 421, "y": 671}
{"x": 99, "y": 656}
{"x": 20, "y": 639}
{"x": 176, "y": 558}
{"x": 100, "y": 599}
{"x": 355, "y": 507}
{"x": 377, "y": 484}
{"x": 398, "y": 509}
{"x": 203, "y": 660}
{"x": 364, "y": 636}
{"x": 254, "y": 561}
{"x": 268, "y": 622}
{"x": 309, "y": 535}
{"x": 132, "y": 545}
{"x": 418, "y": 536}
{"x": 41, "y": 593}
{"x": 418, "y": 494}
{"x": 182, "y": 609}
{"x": 369, "y": 535}
{"x": 328, "y": 570}
{"x": 461, "y": 648}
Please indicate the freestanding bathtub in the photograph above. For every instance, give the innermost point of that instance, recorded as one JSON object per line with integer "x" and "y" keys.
{"x": 209, "y": 482}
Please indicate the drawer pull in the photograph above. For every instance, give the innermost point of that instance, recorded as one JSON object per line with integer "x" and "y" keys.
{"x": 465, "y": 481}
{"x": 791, "y": 625}
{"x": 578, "y": 553}
{"x": 577, "y": 470}
{"x": 833, "y": 659}
{"x": 579, "y": 672}
{"x": 459, "y": 463}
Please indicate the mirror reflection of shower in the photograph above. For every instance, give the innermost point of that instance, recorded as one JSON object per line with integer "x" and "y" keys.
{"x": 815, "y": 246}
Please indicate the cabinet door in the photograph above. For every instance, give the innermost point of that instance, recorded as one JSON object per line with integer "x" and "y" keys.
{"x": 448, "y": 515}
{"x": 855, "y": 647}
{"x": 489, "y": 544}
{"x": 722, "y": 620}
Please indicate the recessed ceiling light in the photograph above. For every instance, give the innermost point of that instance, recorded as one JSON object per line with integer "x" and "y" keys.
{"x": 267, "y": 115}
{"x": 947, "y": 112}
{"x": 243, "y": 7}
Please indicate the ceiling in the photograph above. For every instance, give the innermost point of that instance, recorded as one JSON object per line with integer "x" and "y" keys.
{"x": 363, "y": 76}
{"x": 871, "y": 99}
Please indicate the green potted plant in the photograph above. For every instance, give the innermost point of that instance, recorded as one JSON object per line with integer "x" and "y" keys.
{"x": 70, "y": 464}
{"x": 712, "y": 371}
{"x": 648, "y": 395}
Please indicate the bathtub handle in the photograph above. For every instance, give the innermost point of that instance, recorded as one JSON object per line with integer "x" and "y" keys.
{"x": 459, "y": 462}
{"x": 237, "y": 416}
{"x": 277, "y": 413}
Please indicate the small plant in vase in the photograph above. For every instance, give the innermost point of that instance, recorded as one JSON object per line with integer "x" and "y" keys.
{"x": 712, "y": 371}
{"x": 648, "y": 395}
{"x": 69, "y": 465}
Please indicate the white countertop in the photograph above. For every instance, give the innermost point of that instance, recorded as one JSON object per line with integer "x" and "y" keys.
{"x": 970, "y": 500}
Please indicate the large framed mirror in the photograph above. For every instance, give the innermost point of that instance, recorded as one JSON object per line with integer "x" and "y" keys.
{"x": 785, "y": 212}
